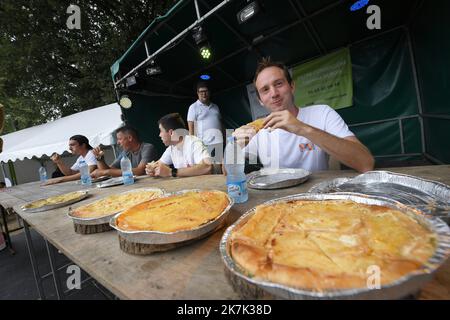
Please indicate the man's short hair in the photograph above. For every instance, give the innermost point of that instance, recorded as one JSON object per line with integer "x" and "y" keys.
{"x": 172, "y": 121}
{"x": 81, "y": 140}
{"x": 129, "y": 130}
{"x": 267, "y": 63}
{"x": 202, "y": 84}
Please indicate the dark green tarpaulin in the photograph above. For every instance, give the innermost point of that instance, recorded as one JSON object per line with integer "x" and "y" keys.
{"x": 431, "y": 38}
{"x": 386, "y": 84}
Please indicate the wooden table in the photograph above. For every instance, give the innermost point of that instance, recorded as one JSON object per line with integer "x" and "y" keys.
{"x": 191, "y": 272}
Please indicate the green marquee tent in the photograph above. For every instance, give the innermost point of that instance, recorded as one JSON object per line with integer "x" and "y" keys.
{"x": 401, "y": 72}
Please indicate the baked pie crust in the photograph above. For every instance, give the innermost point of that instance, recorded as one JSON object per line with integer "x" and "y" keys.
{"x": 258, "y": 124}
{"x": 326, "y": 245}
{"x": 114, "y": 203}
{"x": 54, "y": 200}
{"x": 174, "y": 213}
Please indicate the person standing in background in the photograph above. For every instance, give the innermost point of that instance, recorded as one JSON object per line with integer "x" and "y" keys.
{"x": 205, "y": 122}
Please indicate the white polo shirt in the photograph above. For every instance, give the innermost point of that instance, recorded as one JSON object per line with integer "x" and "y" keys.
{"x": 282, "y": 149}
{"x": 89, "y": 159}
{"x": 207, "y": 122}
{"x": 190, "y": 153}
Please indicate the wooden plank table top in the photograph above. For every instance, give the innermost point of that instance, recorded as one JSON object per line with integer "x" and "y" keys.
{"x": 191, "y": 272}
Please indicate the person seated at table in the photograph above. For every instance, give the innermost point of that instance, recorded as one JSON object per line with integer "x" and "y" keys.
{"x": 139, "y": 153}
{"x": 57, "y": 173}
{"x": 298, "y": 138}
{"x": 186, "y": 153}
{"x": 78, "y": 145}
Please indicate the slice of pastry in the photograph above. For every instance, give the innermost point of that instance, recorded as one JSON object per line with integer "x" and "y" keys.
{"x": 258, "y": 124}
{"x": 115, "y": 203}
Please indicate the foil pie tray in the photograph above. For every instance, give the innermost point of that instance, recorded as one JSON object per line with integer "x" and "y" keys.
{"x": 26, "y": 207}
{"x": 97, "y": 180}
{"x": 107, "y": 218}
{"x": 157, "y": 237}
{"x": 403, "y": 287}
{"x": 430, "y": 197}
{"x": 112, "y": 182}
{"x": 272, "y": 178}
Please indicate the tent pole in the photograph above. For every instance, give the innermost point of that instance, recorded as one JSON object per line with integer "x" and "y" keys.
{"x": 113, "y": 147}
{"x": 433, "y": 159}
{"x": 173, "y": 41}
{"x": 3, "y": 170}
{"x": 12, "y": 173}
{"x": 197, "y": 10}
{"x": 417, "y": 87}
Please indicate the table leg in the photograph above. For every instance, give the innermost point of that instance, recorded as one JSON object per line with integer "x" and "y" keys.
{"x": 54, "y": 271}
{"x": 36, "y": 274}
{"x": 8, "y": 238}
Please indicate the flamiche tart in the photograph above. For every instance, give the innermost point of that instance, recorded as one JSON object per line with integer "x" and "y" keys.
{"x": 54, "y": 200}
{"x": 258, "y": 124}
{"x": 115, "y": 203}
{"x": 174, "y": 213}
{"x": 326, "y": 245}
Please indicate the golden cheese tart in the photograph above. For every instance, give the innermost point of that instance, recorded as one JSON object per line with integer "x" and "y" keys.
{"x": 258, "y": 124}
{"x": 326, "y": 245}
{"x": 115, "y": 203}
{"x": 174, "y": 213}
{"x": 54, "y": 200}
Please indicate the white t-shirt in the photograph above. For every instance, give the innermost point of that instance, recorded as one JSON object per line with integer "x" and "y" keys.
{"x": 190, "y": 153}
{"x": 207, "y": 122}
{"x": 89, "y": 159}
{"x": 282, "y": 149}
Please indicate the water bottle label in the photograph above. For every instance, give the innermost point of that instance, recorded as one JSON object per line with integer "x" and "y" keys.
{"x": 238, "y": 191}
{"x": 86, "y": 180}
{"x": 127, "y": 178}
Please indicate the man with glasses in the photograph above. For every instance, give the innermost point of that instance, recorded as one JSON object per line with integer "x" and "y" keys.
{"x": 205, "y": 122}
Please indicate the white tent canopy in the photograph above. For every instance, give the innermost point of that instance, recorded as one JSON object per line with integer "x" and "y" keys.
{"x": 96, "y": 124}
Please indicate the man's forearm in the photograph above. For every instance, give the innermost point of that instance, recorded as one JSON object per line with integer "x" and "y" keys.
{"x": 64, "y": 169}
{"x": 139, "y": 171}
{"x": 101, "y": 164}
{"x": 71, "y": 177}
{"x": 191, "y": 128}
{"x": 349, "y": 151}
{"x": 113, "y": 172}
{"x": 197, "y": 170}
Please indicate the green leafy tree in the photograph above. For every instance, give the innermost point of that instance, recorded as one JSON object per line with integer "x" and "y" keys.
{"x": 48, "y": 70}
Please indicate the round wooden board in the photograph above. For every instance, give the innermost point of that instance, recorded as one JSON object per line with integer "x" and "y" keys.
{"x": 145, "y": 248}
{"x": 90, "y": 229}
{"x": 246, "y": 290}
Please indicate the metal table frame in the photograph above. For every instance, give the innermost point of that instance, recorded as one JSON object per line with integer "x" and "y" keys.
{"x": 54, "y": 273}
{"x": 6, "y": 233}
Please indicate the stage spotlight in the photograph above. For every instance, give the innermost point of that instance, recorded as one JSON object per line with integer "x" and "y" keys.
{"x": 151, "y": 71}
{"x": 248, "y": 12}
{"x": 131, "y": 81}
{"x": 199, "y": 35}
{"x": 152, "y": 68}
{"x": 125, "y": 102}
{"x": 205, "y": 52}
{"x": 201, "y": 40}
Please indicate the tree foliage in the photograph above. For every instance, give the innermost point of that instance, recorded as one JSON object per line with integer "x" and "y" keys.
{"x": 48, "y": 71}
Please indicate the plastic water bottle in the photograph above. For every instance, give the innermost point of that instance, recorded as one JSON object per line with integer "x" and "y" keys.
{"x": 127, "y": 173}
{"x": 85, "y": 176}
{"x": 234, "y": 165}
{"x": 42, "y": 174}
